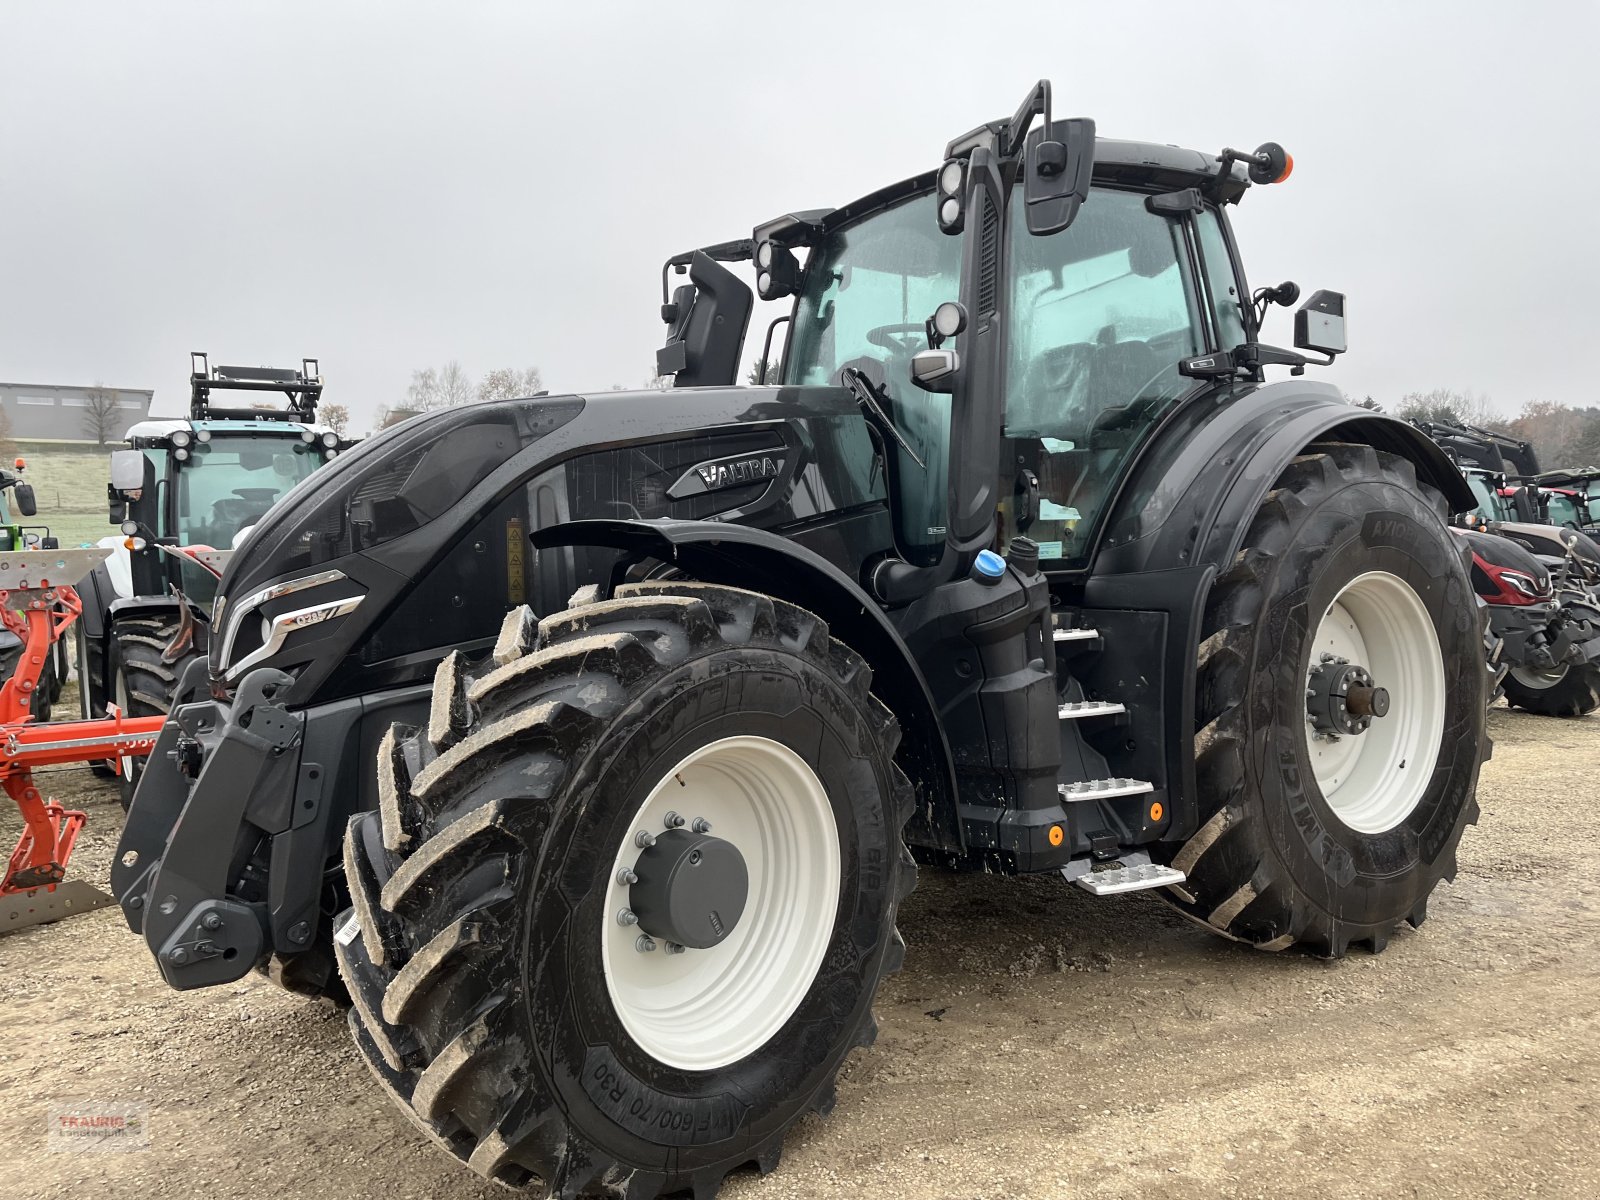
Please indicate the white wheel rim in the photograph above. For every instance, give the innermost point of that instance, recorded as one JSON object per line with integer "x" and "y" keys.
{"x": 703, "y": 1009}
{"x": 1374, "y": 780}
{"x": 1538, "y": 678}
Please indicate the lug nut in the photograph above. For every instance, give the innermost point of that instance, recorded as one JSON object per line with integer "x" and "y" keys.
{"x": 701, "y": 825}
{"x": 644, "y": 943}
{"x": 178, "y": 955}
{"x": 673, "y": 821}
{"x": 627, "y": 917}
{"x": 644, "y": 839}
{"x": 211, "y": 921}
{"x": 626, "y": 877}
{"x": 674, "y": 948}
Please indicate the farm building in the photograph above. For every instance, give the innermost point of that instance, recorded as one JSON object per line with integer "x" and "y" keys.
{"x": 66, "y": 413}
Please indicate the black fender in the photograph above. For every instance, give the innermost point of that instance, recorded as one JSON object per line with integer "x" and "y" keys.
{"x": 101, "y": 609}
{"x": 140, "y": 606}
{"x": 1184, "y": 510}
{"x": 747, "y": 557}
{"x": 98, "y": 594}
{"x": 1192, "y": 492}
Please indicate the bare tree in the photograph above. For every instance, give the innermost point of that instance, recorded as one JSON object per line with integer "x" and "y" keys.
{"x": 455, "y": 387}
{"x": 100, "y": 413}
{"x": 762, "y": 371}
{"x": 1561, "y": 436}
{"x": 423, "y": 394}
{"x": 337, "y": 418}
{"x": 387, "y": 416}
{"x": 508, "y": 383}
{"x": 1447, "y": 407}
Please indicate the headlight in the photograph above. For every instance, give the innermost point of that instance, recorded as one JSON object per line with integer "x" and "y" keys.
{"x": 1526, "y": 584}
{"x": 330, "y": 439}
{"x": 182, "y": 438}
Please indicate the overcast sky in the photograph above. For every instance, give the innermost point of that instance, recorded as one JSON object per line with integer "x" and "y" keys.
{"x": 389, "y": 186}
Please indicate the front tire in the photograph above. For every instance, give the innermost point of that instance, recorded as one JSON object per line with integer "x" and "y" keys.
{"x": 1566, "y": 691}
{"x": 1321, "y": 827}
{"x": 142, "y": 684}
{"x": 498, "y": 993}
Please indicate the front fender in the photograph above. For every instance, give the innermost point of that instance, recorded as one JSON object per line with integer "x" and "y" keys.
{"x": 1193, "y": 492}
{"x": 747, "y": 557}
{"x": 1184, "y": 512}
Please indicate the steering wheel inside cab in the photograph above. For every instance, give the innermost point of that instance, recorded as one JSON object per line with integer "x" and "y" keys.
{"x": 901, "y": 343}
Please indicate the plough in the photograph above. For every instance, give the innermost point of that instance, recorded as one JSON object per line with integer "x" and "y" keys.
{"x": 38, "y": 604}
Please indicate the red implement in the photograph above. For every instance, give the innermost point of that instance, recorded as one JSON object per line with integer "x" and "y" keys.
{"x": 39, "y": 611}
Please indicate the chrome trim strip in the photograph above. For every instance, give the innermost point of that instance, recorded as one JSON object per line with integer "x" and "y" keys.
{"x": 286, "y": 623}
{"x": 250, "y": 603}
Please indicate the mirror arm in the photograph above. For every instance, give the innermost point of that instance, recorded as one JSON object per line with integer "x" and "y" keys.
{"x": 1036, "y": 104}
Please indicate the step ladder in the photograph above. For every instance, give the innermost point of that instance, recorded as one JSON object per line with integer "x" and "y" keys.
{"x": 1067, "y": 633}
{"x": 1103, "y": 789}
{"x": 1077, "y": 710}
{"x": 1129, "y": 872}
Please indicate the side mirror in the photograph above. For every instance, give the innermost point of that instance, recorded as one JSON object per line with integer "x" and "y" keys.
{"x": 1056, "y": 171}
{"x": 935, "y": 370}
{"x": 23, "y": 493}
{"x": 127, "y": 470}
{"x": 116, "y": 505}
{"x": 1319, "y": 324}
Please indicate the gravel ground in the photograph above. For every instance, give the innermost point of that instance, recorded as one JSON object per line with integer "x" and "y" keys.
{"x": 1040, "y": 1042}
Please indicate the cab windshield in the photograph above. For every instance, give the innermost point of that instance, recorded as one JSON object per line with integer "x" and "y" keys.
{"x": 228, "y": 484}
{"x": 1563, "y": 510}
{"x": 869, "y": 291}
{"x": 1490, "y": 507}
{"x": 1098, "y": 318}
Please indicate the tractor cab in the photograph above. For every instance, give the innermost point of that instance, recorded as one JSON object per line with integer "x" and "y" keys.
{"x": 1085, "y": 289}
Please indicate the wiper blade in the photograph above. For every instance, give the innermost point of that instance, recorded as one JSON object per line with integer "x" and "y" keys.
{"x": 871, "y": 400}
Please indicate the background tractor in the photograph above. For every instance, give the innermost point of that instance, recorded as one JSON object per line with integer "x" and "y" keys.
{"x": 603, "y": 732}
{"x": 17, "y": 494}
{"x": 1538, "y": 574}
{"x": 198, "y": 481}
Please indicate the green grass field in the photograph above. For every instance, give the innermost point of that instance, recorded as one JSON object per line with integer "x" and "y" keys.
{"x": 69, "y": 485}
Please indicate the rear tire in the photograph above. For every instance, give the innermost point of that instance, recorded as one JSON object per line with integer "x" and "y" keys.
{"x": 1347, "y": 545}
{"x": 1571, "y": 691}
{"x": 498, "y": 995}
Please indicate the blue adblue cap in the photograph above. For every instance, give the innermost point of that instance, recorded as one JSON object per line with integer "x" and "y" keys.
{"x": 988, "y": 565}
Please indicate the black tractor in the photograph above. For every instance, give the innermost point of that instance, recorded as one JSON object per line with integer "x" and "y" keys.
{"x": 598, "y": 737}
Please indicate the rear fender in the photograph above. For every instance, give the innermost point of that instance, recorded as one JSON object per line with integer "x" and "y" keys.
{"x": 746, "y": 557}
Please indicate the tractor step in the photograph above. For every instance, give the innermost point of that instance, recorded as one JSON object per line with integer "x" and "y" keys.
{"x": 1076, "y": 710}
{"x": 1131, "y": 872}
{"x": 1101, "y": 789}
{"x": 1064, "y": 633}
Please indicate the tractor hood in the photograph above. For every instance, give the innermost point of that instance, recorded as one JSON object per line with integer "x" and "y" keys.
{"x": 362, "y": 531}
{"x": 1546, "y": 539}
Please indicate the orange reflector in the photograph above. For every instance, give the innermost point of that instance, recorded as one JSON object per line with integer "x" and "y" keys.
{"x": 1288, "y": 168}
{"x": 1156, "y": 810}
{"x": 1057, "y": 835}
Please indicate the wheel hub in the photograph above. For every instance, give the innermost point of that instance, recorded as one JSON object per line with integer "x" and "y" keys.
{"x": 690, "y": 889}
{"x": 1342, "y": 698}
